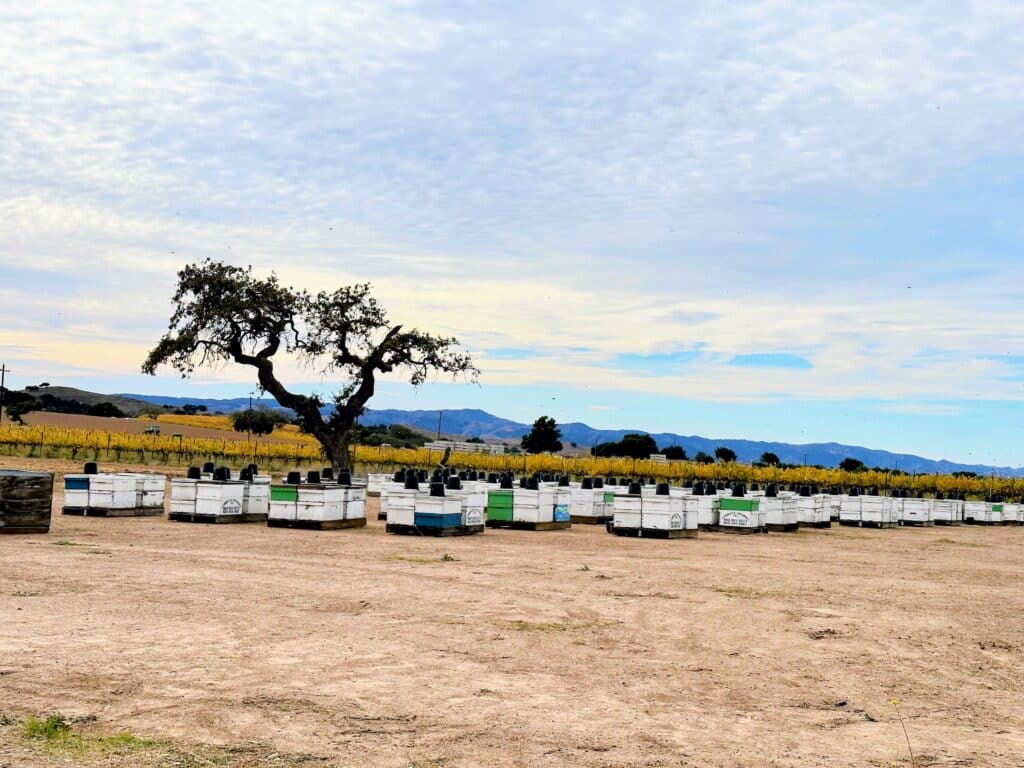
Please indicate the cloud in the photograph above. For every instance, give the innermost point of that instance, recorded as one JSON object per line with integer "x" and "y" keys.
{"x": 772, "y": 360}
{"x": 585, "y": 193}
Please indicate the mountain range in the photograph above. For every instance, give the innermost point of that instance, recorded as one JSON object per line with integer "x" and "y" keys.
{"x": 470, "y": 422}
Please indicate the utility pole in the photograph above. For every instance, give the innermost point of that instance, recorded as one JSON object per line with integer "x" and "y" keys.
{"x": 248, "y": 421}
{"x": 439, "y": 414}
{"x": 4, "y": 370}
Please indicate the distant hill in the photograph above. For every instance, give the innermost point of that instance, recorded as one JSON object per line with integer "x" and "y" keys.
{"x": 471, "y": 422}
{"x": 128, "y": 405}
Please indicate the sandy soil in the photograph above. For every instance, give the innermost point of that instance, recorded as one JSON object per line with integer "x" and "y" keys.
{"x": 355, "y": 648}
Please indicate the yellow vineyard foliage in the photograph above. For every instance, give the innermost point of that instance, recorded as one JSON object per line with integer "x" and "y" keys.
{"x": 305, "y": 449}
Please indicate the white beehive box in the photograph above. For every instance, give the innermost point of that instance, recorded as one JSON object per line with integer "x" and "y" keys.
{"x": 876, "y": 510}
{"x": 375, "y": 483}
{"x": 112, "y": 492}
{"x": 917, "y": 511}
{"x": 740, "y": 513}
{"x": 450, "y": 505}
{"x": 705, "y": 508}
{"x": 256, "y": 497}
{"x": 983, "y": 512}
{"x": 77, "y": 497}
{"x": 780, "y": 512}
{"x": 628, "y": 511}
{"x": 400, "y": 506}
{"x": 533, "y": 506}
{"x": 663, "y": 513}
{"x": 219, "y": 499}
{"x": 849, "y": 509}
{"x": 945, "y": 511}
{"x": 581, "y": 502}
{"x": 813, "y": 510}
{"x": 473, "y": 504}
{"x": 320, "y": 503}
{"x": 183, "y": 496}
{"x": 1012, "y": 513}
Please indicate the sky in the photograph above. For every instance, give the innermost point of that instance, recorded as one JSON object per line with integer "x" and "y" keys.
{"x": 781, "y": 220}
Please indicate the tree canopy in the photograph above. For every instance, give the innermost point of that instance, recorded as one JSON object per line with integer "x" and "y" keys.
{"x": 769, "y": 458}
{"x": 722, "y": 453}
{"x": 543, "y": 437}
{"x": 224, "y": 313}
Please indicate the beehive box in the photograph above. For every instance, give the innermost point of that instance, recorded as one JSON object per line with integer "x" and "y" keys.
{"x": 781, "y": 513}
{"x": 26, "y": 501}
{"x": 438, "y": 512}
{"x": 983, "y": 513}
{"x": 317, "y": 506}
{"x": 1012, "y": 514}
{"x": 739, "y": 515}
{"x": 916, "y": 512}
{"x": 375, "y": 483}
{"x": 849, "y": 510}
{"x": 706, "y": 509}
{"x": 946, "y": 511}
{"x": 879, "y": 511}
{"x": 398, "y": 504}
{"x": 628, "y": 512}
{"x": 256, "y": 500}
{"x": 814, "y": 511}
{"x": 217, "y": 501}
{"x": 655, "y": 516}
{"x": 590, "y": 505}
{"x": 113, "y": 495}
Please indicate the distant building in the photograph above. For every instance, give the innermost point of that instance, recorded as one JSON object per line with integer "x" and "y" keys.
{"x": 462, "y": 447}
{"x": 658, "y": 458}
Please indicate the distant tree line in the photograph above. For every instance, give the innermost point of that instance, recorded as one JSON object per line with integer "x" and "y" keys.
{"x": 17, "y": 404}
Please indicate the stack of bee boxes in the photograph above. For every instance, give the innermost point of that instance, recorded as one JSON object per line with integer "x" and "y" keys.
{"x": 590, "y": 503}
{"x": 988, "y": 512}
{"x": 780, "y": 510}
{"x": 317, "y": 505}
{"x": 947, "y": 511}
{"x": 659, "y": 514}
{"x": 122, "y": 494}
{"x": 531, "y": 507}
{"x": 814, "y": 510}
{"x": 916, "y": 511}
{"x": 741, "y": 514}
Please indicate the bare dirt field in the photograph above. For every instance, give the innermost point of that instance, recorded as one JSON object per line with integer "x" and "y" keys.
{"x": 248, "y": 646}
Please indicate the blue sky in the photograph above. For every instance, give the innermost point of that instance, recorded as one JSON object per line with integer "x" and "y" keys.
{"x": 776, "y": 220}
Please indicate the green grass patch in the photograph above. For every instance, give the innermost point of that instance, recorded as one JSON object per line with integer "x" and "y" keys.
{"x": 65, "y": 543}
{"x": 56, "y": 734}
{"x": 51, "y": 729}
{"x": 537, "y": 626}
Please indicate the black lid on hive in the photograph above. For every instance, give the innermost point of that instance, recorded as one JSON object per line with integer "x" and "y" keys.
{"x": 412, "y": 483}
{"x": 327, "y": 473}
{"x": 454, "y": 483}
{"x": 737, "y": 490}
{"x": 313, "y": 477}
{"x": 437, "y": 488}
{"x": 492, "y": 477}
{"x": 506, "y": 482}
{"x": 634, "y": 489}
{"x": 294, "y": 478}
{"x": 222, "y": 474}
{"x": 698, "y": 489}
{"x": 609, "y": 480}
{"x": 661, "y": 490}
{"x": 772, "y": 491}
{"x": 586, "y": 484}
{"x": 598, "y": 482}
{"x": 563, "y": 481}
{"x": 90, "y": 468}
{"x": 399, "y": 477}
{"x": 208, "y": 467}
{"x": 524, "y": 482}
{"x": 245, "y": 475}
{"x": 344, "y": 477}
{"x": 194, "y": 473}
{"x": 532, "y": 484}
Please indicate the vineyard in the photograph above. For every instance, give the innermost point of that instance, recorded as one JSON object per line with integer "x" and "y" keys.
{"x": 302, "y": 450}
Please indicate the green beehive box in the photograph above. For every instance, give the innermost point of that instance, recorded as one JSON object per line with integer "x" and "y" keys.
{"x": 499, "y": 505}
{"x": 739, "y": 505}
{"x": 284, "y": 493}
{"x": 609, "y": 497}
{"x": 997, "y": 507}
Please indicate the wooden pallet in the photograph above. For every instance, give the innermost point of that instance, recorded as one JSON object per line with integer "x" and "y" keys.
{"x": 9, "y": 530}
{"x": 738, "y": 530}
{"x": 413, "y": 530}
{"x": 653, "y": 533}
{"x": 180, "y": 517}
{"x": 947, "y": 522}
{"x": 917, "y": 523}
{"x": 707, "y": 528}
{"x": 382, "y": 515}
{"x": 825, "y": 524}
{"x": 104, "y": 512}
{"x": 585, "y": 520}
{"x": 783, "y": 527}
{"x": 317, "y": 525}
{"x": 518, "y": 525}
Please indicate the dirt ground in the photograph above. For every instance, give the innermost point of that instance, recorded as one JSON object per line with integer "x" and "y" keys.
{"x": 240, "y": 645}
